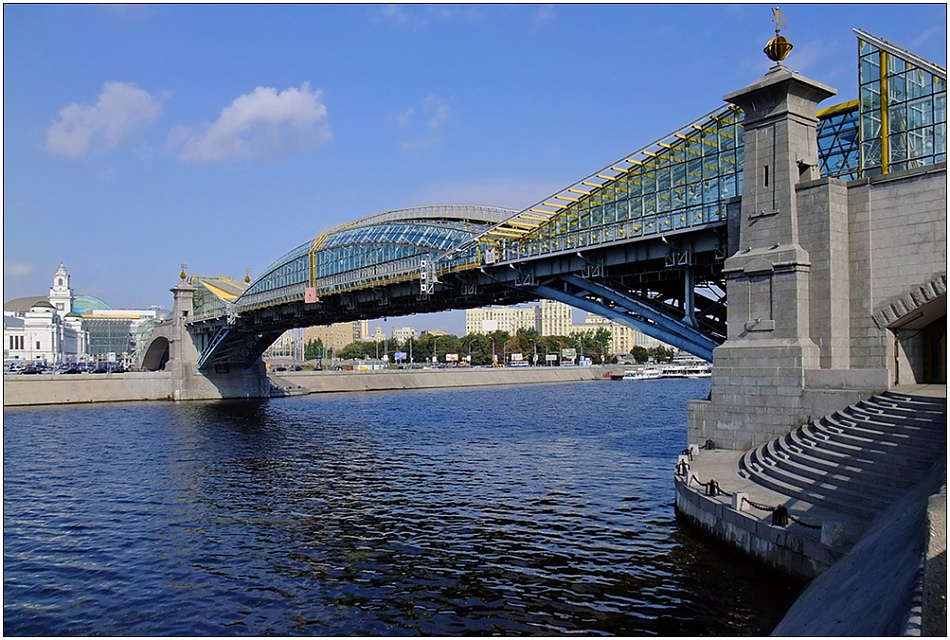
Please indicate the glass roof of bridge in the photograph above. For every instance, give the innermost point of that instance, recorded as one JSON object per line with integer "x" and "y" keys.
{"x": 366, "y": 244}
{"x": 681, "y": 180}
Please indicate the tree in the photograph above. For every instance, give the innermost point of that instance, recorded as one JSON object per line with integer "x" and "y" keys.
{"x": 663, "y": 354}
{"x": 314, "y": 349}
{"x": 640, "y": 354}
{"x": 601, "y": 340}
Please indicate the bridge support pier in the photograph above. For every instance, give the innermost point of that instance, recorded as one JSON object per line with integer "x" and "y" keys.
{"x": 191, "y": 384}
{"x": 760, "y": 373}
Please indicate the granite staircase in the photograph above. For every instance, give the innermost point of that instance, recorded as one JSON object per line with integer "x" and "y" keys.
{"x": 856, "y": 461}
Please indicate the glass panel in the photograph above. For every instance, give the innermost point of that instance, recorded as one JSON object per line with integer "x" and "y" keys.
{"x": 871, "y": 97}
{"x": 871, "y": 154}
{"x": 870, "y": 67}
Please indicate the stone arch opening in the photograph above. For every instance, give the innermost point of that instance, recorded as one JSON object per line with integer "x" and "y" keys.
{"x": 156, "y": 355}
{"x": 920, "y": 339}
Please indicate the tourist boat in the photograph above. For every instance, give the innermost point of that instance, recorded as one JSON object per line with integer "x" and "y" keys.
{"x": 644, "y": 373}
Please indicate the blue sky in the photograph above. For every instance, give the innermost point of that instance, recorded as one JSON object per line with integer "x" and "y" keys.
{"x": 137, "y": 138}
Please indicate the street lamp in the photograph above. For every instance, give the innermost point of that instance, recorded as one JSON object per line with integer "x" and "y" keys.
{"x": 492, "y": 350}
{"x": 535, "y": 344}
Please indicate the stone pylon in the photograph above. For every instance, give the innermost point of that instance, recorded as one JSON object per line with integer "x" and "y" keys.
{"x": 758, "y": 376}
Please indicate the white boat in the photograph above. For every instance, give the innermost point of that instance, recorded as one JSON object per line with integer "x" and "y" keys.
{"x": 644, "y": 373}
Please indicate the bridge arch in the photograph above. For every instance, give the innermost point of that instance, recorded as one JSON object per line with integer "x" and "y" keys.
{"x": 156, "y": 355}
{"x": 375, "y": 250}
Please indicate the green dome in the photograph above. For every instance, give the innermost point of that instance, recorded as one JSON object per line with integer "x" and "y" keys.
{"x": 86, "y": 304}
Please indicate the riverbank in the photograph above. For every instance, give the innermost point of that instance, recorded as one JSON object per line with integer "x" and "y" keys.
{"x": 47, "y": 389}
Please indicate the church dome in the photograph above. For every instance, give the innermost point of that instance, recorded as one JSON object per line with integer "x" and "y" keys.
{"x": 22, "y": 305}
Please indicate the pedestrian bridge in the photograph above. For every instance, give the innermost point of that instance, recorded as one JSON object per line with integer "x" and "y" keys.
{"x": 641, "y": 240}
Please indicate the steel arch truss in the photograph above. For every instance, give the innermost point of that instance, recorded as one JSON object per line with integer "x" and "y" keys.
{"x": 648, "y": 314}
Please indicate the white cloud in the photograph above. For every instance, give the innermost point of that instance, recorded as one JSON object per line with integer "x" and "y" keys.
{"x": 264, "y": 122}
{"x": 15, "y": 269}
{"x": 544, "y": 13}
{"x": 425, "y": 131}
{"x": 121, "y": 110}
{"x": 417, "y": 17}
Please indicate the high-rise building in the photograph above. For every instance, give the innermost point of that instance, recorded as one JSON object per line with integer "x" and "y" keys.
{"x": 556, "y": 318}
{"x": 336, "y": 336}
{"x": 404, "y": 334}
{"x": 547, "y": 317}
{"x": 622, "y": 338}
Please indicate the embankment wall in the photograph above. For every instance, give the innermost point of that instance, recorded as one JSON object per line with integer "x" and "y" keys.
{"x": 328, "y": 382}
{"x": 19, "y": 391}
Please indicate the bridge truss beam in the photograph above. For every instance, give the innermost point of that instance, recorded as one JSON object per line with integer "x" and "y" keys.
{"x": 622, "y": 307}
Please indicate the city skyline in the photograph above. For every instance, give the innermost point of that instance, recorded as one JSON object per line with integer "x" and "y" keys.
{"x": 223, "y": 136}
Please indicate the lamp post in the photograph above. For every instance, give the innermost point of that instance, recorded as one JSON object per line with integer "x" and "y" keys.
{"x": 492, "y": 350}
{"x": 534, "y": 362}
{"x": 435, "y": 350}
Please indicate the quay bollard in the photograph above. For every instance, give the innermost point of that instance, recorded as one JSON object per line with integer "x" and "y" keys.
{"x": 738, "y": 501}
{"x": 682, "y": 465}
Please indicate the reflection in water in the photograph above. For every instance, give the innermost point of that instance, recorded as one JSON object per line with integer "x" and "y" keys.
{"x": 540, "y": 509}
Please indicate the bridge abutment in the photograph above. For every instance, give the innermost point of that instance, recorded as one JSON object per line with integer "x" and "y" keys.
{"x": 815, "y": 258}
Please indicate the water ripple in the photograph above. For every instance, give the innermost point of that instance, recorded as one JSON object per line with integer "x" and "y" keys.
{"x": 512, "y": 510}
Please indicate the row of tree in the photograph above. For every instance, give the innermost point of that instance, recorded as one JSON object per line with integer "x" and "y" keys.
{"x": 483, "y": 349}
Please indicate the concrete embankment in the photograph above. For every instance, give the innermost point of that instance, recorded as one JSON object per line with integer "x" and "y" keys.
{"x": 20, "y": 391}
{"x": 24, "y": 391}
{"x": 328, "y": 382}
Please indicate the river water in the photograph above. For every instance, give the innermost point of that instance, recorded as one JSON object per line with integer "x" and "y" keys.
{"x": 537, "y": 509}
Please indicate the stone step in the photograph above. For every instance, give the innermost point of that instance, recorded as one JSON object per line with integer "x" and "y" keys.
{"x": 851, "y": 455}
{"x": 918, "y": 403}
{"x": 826, "y": 495}
{"x": 829, "y": 429}
{"x": 914, "y": 416}
{"x": 848, "y": 486}
{"x": 867, "y": 476}
{"x": 879, "y": 431}
{"x": 921, "y": 428}
{"x": 855, "y": 461}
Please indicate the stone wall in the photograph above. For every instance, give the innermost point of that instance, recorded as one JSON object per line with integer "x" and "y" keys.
{"x": 336, "y": 381}
{"x": 161, "y": 385}
{"x": 40, "y": 389}
{"x": 800, "y": 555}
{"x": 867, "y": 242}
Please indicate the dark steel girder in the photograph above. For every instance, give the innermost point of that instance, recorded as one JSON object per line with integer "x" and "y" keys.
{"x": 619, "y": 306}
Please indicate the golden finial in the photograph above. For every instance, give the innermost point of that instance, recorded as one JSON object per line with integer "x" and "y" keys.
{"x": 184, "y": 268}
{"x": 247, "y": 275}
{"x": 778, "y": 47}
